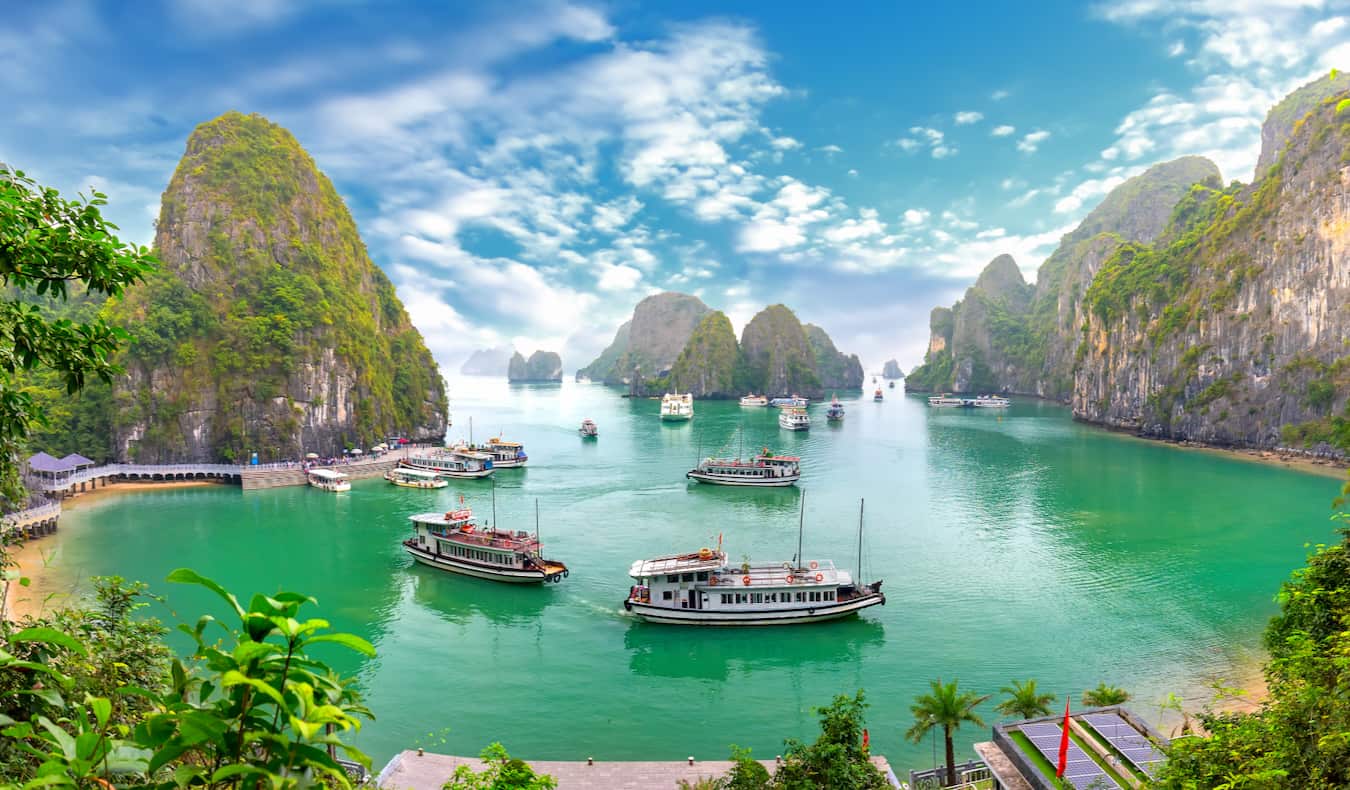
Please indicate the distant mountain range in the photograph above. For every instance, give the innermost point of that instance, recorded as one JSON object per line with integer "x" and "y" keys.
{"x": 488, "y": 362}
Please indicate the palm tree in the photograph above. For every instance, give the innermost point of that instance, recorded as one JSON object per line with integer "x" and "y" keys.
{"x": 1024, "y": 701}
{"x": 948, "y": 707}
{"x": 1105, "y": 695}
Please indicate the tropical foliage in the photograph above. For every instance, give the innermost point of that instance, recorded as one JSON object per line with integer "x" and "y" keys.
{"x": 948, "y": 707}
{"x": 1024, "y": 700}
{"x": 500, "y": 772}
{"x": 1105, "y": 695}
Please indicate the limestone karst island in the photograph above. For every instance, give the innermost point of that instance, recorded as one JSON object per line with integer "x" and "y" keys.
{"x": 424, "y": 396}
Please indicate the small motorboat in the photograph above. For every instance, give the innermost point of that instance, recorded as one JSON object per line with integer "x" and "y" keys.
{"x": 588, "y": 429}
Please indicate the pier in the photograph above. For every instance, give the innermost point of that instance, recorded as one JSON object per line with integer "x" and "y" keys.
{"x": 418, "y": 770}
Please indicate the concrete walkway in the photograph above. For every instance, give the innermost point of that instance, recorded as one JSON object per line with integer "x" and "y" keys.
{"x": 409, "y": 771}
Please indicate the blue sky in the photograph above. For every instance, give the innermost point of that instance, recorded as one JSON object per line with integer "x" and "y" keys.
{"x": 527, "y": 172}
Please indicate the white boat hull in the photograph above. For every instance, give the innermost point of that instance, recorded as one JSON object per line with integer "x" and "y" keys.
{"x": 794, "y": 616}
{"x": 676, "y": 417}
{"x": 511, "y": 464}
{"x": 768, "y": 482}
{"x": 454, "y": 565}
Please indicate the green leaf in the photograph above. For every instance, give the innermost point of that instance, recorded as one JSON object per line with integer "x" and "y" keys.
{"x": 50, "y": 636}
{"x": 60, "y": 737}
{"x": 348, "y": 640}
{"x": 235, "y": 678}
{"x": 189, "y": 576}
{"x": 1341, "y": 105}
{"x": 198, "y": 726}
{"x": 239, "y": 769}
{"x": 102, "y": 709}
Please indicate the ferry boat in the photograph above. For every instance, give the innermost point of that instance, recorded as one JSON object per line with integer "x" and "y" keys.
{"x": 764, "y": 470}
{"x": 946, "y": 401}
{"x": 754, "y": 400}
{"x": 677, "y": 407}
{"x": 328, "y": 480}
{"x": 407, "y": 477}
{"x": 877, "y": 396}
{"x": 453, "y": 542}
{"x": 458, "y": 463}
{"x": 795, "y": 402}
{"x": 504, "y": 454}
{"x": 794, "y": 419}
{"x": 890, "y": 385}
{"x": 588, "y": 429}
{"x": 703, "y": 588}
{"x": 992, "y": 402}
{"x": 836, "y": 411}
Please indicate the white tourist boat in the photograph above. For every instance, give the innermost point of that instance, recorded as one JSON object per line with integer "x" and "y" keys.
{"x": 453, "y": 542}
{"x": 992, "y": 402}
{"x": 703, "y": 588}
{"x": 588, "y": 429}
{"x": 878, "y": 396}
{"x": 754, "y": 400}
{"x": 328, "y": 480}
{"x": 794, "y": 402}
{"x": 946, "y": 401}
{"x": 764, "y": 470}
{"x": 407, "y": 477}
{"x": 675, "y": 406}
{"x": 794, "y": 419}
{"x": 458, "y": 463}
{"x": 836, "y": 411}
{"x": 504, "y": 454}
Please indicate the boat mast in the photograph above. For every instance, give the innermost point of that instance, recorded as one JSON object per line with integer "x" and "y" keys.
{"x": 536, "y": 521}
{"x": 494, "y": 503}
{"x": 861, "y": 502}
{"x": 801, "y": 520}
{"x": 471, "y": 435}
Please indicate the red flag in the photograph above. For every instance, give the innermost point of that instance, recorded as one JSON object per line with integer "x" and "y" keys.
{"x": 865, "y": 739}
{"x": 1064, "y": 743}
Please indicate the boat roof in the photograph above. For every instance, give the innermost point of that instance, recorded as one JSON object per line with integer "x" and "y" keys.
{"x": 503, "y": 442}
{"x": 409, "y": 472}
{"x": 472, "y": 454}
{"x": 449, "y": 517}
{"x": 677, "y": 563}
{"x": 327, "y": 474}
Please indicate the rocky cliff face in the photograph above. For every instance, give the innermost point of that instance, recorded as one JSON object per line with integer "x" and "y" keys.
{"x": 1280, "y": 121}
{"x": 541, "y": 366}
{"x": 1232, "y": 328}
{"x": 268, "y": 329}
{"x": 650, "y": 342}
{"x": 835, "y": 369}
{"x": 891, "y": 369}
{"x": 778, "y": 358}
{"x": 488, "y": 361}
{"x": 707, "y": 367}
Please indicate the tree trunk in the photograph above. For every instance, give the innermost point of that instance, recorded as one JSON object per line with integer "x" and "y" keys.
{"x": 951, "y": 755}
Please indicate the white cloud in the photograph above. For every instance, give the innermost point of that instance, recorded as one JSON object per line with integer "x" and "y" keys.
{"x": 915, "y": 217}
{"x": 784, "y": 143}
{"x": 1325, "y": 28}
{"x": 999, "y": 95}
{"x": 1177, "y": 49}
{"x": 1003, "y": 130}
{"x": 831, "y": 149}
{"x": 769, "y": 235}
{"x": 1032, "y": 141}
{"x": 967, "y": 117}
{"x": 1085, "y": 191}
{"x": 908, "y": 144}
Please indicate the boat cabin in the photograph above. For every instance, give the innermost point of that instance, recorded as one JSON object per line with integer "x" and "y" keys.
{"x": 328, "y": 480}
{"x": 691, "y": 581}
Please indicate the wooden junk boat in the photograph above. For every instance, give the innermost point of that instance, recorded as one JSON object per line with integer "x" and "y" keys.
{"x": 453, "y": 542}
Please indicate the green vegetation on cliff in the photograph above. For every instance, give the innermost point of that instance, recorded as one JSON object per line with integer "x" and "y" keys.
{"x": 835, "y": 369}
{"x": 650, "y": 342}
{"x": 707, "y": 367}
{"x": 541, "y": 366}
{"x": 269, "y": 328}
{"x": 777, "y": 357}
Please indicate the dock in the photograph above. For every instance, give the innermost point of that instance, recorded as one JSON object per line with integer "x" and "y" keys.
{"x": 415, "y": 770}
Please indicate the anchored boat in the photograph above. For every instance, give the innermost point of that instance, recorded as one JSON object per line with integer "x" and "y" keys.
{"x": 703, "y": 588}
{"x": 764, "y": 470}
{"x": 877, "y": 396}
{"x": 946, "y": 401}
{"x": 504, "y": 454}
{"x": 328, "y": 480}
{"x": 453, "y": 542}
{"x": 456, "y": 463}
{"x": 794, "y": 419}
{"x": 754, "y": 400}
{"x": 588, "y": 429}
{"x": 992, "y": 402}
{"x": 836, "y": 411}
{"x": 675, "y": 406}
{"x": 407, "y": 477}
{"x": 794, "y": 402}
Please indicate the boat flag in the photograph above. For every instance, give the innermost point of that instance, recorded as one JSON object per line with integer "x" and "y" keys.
{"x": 1063, "y": 743}
{"x": 866, "y": 740}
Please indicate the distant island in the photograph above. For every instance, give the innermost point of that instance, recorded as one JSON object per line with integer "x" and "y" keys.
{"x": 488, "y": 362}
{"x": 542, "y": 366}
{"x": 891, "y": 370}
{"x": 675, "y": 342}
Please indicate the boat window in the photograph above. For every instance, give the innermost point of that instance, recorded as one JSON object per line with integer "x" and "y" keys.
{"x": 756, "y": 597}
{"x": 829, "y": 596}
{"x": 703, "y": 576}
{"x": 726, "y": 598}
{"x": 740, "y": 597}
{"x": 667, "y": 595}
{"x": 673, "y": 578}
{"x": 801, "y": 597}
{"x": 688, "y": 577}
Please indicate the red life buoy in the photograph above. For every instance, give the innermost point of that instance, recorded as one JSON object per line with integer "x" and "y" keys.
{"x": 745, "y": 580}
{"x": 814, "y": 565}
{"x": 713, "y": 581}
{"x": 789, "y": 578}
{"x": 820, "y": 577}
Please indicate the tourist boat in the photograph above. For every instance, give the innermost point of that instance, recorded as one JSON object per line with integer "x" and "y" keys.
{"x": 677, "y": 407}
{"x": 407, "y": 477}
{"x": 946, "y": 401}
{"x": 456, "y": 462}
{"x": 588, "y": 429}
{"x": 328, "y": 480}
{"x": 795, "y": 402}
{"x": 890, "y": 385}
{"x": 836, "y": 411}
{"x": 992, "y": 402}
{"x": 453, "y": 542}
{"x": 504, "y": 454}
{"x": 764, "y": 470}
{"x": 877, "y": 396}
{"x": 703, "y": 588}
{"x": 754, "y": 400}
{"x": 794, "y": 419}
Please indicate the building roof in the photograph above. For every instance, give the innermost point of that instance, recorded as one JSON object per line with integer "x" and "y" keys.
{"x": 75, "y": 459}
{"x": 41, "y": 462}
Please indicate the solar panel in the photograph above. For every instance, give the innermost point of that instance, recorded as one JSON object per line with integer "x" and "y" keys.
{"x": 1127, "y": 740}
{"x": 1080, "y": 770}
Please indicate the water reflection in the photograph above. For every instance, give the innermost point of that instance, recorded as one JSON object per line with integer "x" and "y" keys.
{"x": 712, "y": 654}
{"x": 459, "y": 599}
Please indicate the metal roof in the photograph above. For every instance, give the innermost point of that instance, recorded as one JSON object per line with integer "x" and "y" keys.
{"x": 41, "y": 462}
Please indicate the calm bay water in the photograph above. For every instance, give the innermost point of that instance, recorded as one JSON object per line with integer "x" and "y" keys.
{"x": 1012, "y": 546}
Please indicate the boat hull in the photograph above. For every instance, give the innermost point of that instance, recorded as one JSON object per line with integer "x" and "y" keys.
{"x": 708, "y": 617}
{"x": 772, "y": 482}
{"x": 514, "y": 463}
{"x": 676, "y": 417}
{"x": 402, "y": 484}
{"x": 452, "y": 565}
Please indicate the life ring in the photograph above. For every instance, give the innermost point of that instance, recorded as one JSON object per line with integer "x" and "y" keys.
{"x": 820, "y": 577}
{"x": 789, "y": 578}
{"x": 745, "y": 580}
{"x": 566, "y": 573}
{"x": 712, "y": 582}
{"x": 814, "y": 565}
{"x": 705, "y": 553}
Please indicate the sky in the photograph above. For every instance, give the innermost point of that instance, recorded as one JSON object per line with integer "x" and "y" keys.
{"x": 527, "y": 172}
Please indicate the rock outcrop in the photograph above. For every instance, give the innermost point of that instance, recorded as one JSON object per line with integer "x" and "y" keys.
{"x": 268, "y": 329}
{"x": 778, "y": 359}
{"x": 708, "y": 365}
{"x": 542, "y": 366}
{"x": 1280, "y": 121}
{"x": 835, "y": 369}
{"x": 650, "y": 342}
{"x": 891, "y": 370}
{"x": 488, "y": 362}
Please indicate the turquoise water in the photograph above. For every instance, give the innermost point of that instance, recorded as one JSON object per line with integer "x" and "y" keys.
{"x": 1012, "y": 545}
